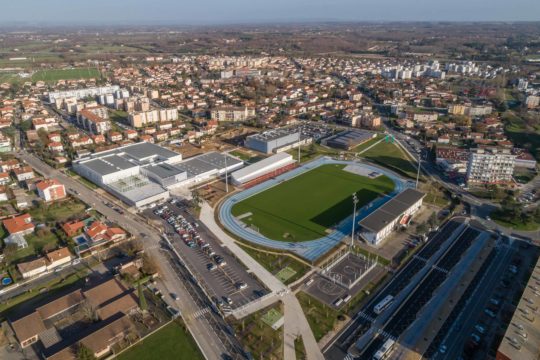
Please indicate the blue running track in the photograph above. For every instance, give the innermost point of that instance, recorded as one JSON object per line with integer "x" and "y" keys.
{"x": 313, "y": 249}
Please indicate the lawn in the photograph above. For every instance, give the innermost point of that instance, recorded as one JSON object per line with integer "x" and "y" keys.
{"x": 276, "y": 263}
{"x": 519, "y": 132}
{"x": 65, "y": 74}
{"x": 367, "y": 144}
{"x": 309, "y": 205}
{"x": 258, "y": 337}
{"x": 170, "y": 342}
{"x": 310, "y": 152}
{"x": 58, "y": 212}
{"x": 321, "y": 318}
{"x": 36, "y": 245}
{"x": 392, "y": 157}
{"x": 285, "y": 274}
{"x": 503, "y": 220}
{"x": 271, "y": 317}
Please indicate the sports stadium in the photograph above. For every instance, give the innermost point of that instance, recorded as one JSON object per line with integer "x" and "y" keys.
{"x": 309, "y": 210}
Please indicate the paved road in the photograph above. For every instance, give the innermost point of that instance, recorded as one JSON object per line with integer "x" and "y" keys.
{"x": 295, "y": 320}
{"x": 204, "y": 334}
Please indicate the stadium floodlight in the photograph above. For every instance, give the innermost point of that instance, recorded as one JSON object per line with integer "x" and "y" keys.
{"x": 226, "y": 176}
{"x": 355, "y": 201}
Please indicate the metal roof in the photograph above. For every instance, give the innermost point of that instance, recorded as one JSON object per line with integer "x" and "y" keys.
{"x": 108, "y": 165}
{"x": 390, "y": 211}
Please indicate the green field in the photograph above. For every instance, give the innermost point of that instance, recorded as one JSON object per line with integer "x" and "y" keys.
{"x": 65, "y": 74}
{"x": 271, "y": 317}
{"x": 392, "y": 157}
{"x": 285, "y": 274}
{"x": 171, "y": 342}
{"x": 309, "y": 205}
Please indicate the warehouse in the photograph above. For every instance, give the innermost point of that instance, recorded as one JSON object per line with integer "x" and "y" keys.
{"x": 380, "y": 223}
{"x": 349, "y": 139}
{"x": 143, "y": 173}
{"x": 273, "y": 140}
{"x": 270, "y": 166}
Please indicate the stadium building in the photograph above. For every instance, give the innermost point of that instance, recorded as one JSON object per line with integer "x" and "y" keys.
{"x": 262, "y": 170}
{"x": 348, "y": 139}
{"x": 140, "y": 174}
{"x": 274, "y": 141}
{"x": 379, "y": 224}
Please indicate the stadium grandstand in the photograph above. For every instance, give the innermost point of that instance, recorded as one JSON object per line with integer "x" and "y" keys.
{"x": 263, "y": 170}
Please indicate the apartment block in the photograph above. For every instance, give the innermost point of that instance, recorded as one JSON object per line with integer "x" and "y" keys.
{"x": 490, "y": 166}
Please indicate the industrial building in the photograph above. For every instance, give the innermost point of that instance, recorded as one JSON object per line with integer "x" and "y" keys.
{"x": 380, "y": 223}
{"x": 140, "y": 174}
{"x": 273, "y": 141}
{"x": 348, "y": 139}
{"x": 261, "y": 170}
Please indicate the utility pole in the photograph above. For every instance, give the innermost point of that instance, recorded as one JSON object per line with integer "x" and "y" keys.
{"x": 226, "y": 176}
{"x": 418, "y": 172}
{"x": 355, "y": 201}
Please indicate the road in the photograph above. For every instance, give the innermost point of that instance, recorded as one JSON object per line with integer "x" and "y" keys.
{"x": 204, "y": 334}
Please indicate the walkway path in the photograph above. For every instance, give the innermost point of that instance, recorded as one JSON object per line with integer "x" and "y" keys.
{"x": 296, "y": 323}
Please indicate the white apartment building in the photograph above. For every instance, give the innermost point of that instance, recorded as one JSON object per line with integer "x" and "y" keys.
{"x": 490, "y": 166}
{"x": 143, "y": 118}
{"x": 231, "y": 113}
{"x": 82, "y": 93}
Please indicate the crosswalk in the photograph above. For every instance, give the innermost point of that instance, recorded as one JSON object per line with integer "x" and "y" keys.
{"x": 435, "y": 267}
{"x": 197, "y": 314}
{"x": 420, "y": 258}
{"x": 365, "y": 316}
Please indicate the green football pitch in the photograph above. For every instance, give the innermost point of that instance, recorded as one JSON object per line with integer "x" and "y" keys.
{"x": 66, "y": 74}
{"x": 308, "y": 206}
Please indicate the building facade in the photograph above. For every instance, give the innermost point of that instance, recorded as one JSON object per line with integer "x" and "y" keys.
{"x": 490, "y": 166}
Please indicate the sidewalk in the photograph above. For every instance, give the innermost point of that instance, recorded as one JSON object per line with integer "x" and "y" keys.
{"x": 295, "y": 321}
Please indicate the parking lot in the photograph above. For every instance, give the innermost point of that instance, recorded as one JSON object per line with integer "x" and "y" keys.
{"x": 224, "y": 278}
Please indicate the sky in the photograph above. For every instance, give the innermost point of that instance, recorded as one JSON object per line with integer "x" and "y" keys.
{"x": 222, "y": 12}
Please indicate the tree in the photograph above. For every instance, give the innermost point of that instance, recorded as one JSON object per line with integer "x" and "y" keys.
{"x": 149, "y": 266}
{"x": 195, "y": 198}
{"x": 432, "y": 220}
{"x": 84, "y": 353}
{"x": 9, "y": 252}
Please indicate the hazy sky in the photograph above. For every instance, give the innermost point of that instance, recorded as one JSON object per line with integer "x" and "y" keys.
{"x": 193, "y": 12}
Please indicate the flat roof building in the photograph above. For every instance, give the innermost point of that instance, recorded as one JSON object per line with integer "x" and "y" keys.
{"x": 522, "y": 338}
{"x": 261, "y": 168}
{"x": 348, "y": 139}
{"x": 380, "y": 223}
{"x": 143, "y": 173}
{"x": 272, "y": 140}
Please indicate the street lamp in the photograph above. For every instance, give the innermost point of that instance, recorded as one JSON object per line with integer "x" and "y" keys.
{"x": 355, "y": 201}
{"x": 226, "y": 176}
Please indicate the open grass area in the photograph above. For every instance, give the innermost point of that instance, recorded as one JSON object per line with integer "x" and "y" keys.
{"x": 65, "y": 74}
{"x": 519, "y": 132}
{"x": 271, "y": 317}
{"x": 503, "y": 220}
{"x": 300, "y": 348}
{"x": 321, "y": 318}
{"x": 391, "y": 156}
{"x": 276, "y": 263}
{"x": 258, "y": 337}
{"x": 173, "y": 341}
{"x": 309, "y": 205}
{"x": 58, "y": 211}
{"x": 285, "y": 274}
{"x": 310, "y": 152}
{"x": 368, "y": 143}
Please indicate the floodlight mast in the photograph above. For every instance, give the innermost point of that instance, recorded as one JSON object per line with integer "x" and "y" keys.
{"x": 355, "y": 201}
{"x": 226, "y": 176}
